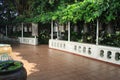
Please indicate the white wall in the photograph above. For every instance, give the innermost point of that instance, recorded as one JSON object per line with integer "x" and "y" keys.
{"x": 104, "y": 53}
{"x": 28, "y": 40}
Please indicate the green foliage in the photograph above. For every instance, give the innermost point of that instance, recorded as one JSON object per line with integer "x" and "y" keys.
{"x": 85, "y": 10}
{"x": 10, "y": 65}
{"x": 48, "y": 10}
{"x": 7, "y": 12}
{"x": 68, "y": 10}
{"x": 42, "y": 10}
{"x": 19, "y": 19}
{"x": 88, "y": 10}
{"x": 75, "y": 36}
{"x": 43, "y": 37}
{"x": 44, "y": 17}
{"x": 112, "y": 7}
{"x": 111, "y": 40}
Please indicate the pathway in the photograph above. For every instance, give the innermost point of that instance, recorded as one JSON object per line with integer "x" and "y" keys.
{"x": 43, "y": 63}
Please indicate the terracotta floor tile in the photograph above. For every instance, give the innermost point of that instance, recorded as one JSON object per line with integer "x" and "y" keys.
{"x": 43, "y": 63}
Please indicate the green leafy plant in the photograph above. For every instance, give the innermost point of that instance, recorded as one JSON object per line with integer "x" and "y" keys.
{"x": 111, "y": 40}
{"x": 8, "y": 66}
{"x": 43, "y": 37}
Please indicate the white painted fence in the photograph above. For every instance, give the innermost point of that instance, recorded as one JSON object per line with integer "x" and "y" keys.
{"x": 104, "y": 53}
{"x": 27, "y": 40}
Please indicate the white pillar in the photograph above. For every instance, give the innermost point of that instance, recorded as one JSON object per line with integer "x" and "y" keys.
{"x": 35, "y": 37}
{"x": 22, "y": 32}
{"x": 51, "y": 29}
{"x": 6, "y": 30}
{"x": 97, "y": 33}
{"x": 68, "y": 31}
{"x": 36, "y": 41}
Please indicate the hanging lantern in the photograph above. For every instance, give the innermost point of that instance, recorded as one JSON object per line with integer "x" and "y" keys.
{"x": 34, "y": 29}
{"x": 56, "y": 28}
{"x": 75, "y": 28}
{"x": 62, "y": 28}
{"x": 14, "y": 28}
{"x": 30, "y": 29}
{"x": 25, "y": 28}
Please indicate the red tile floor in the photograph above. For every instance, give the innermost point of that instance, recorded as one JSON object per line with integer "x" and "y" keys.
{"x": 43, "y": 63}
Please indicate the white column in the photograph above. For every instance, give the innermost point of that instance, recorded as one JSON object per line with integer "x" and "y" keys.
{"x": 51, "y": 29}
{"x": 35, "y": 37}
{"x": 68, "y": 31}
{"x": 22, "y": 32}
{"x": 97, "y": 33}
{"x": 6, "y": 30}
{"x": 36, "y": 41}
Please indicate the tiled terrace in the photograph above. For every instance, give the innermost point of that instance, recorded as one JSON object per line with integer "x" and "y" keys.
{"x": 43, "y": 63}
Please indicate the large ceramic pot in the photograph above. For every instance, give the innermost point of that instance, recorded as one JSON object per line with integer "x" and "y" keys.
{"x": 12, "y": 70}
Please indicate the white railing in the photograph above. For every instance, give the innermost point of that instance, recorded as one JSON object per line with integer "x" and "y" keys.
{"x": 27, "y": 40}
{"x": 104, "y": 53}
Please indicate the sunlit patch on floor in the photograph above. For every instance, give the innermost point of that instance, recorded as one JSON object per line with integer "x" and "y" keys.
{"x": 30, "y": 67}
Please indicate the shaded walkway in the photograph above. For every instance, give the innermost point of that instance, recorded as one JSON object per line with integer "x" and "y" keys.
{"x": 43, "y": 63}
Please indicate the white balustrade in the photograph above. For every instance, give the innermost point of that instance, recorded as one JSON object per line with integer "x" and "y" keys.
{"x": 27, "y": 40}
{"x": 104, "y": 53}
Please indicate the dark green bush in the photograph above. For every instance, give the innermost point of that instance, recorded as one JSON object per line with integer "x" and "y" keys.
{"x": 43, "y": 37}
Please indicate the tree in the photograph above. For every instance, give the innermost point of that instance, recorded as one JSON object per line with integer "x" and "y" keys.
{"x": 44, "y": 10}
{"x": 7, "y": 12}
